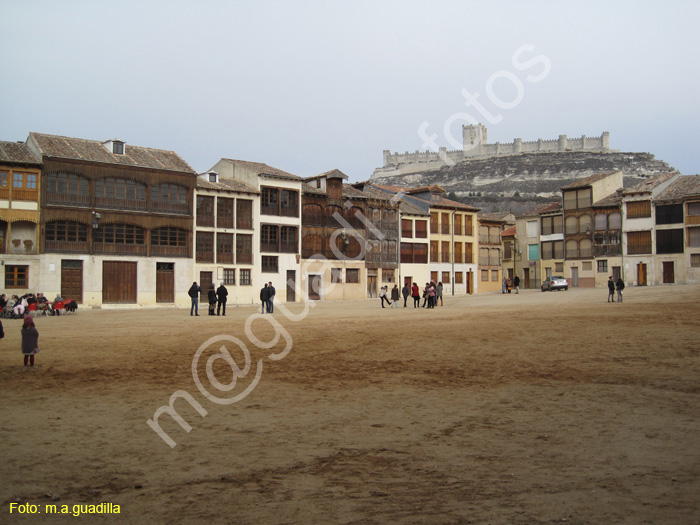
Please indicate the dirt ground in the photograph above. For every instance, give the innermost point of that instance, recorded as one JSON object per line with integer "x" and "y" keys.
{"x": 529, "y": 408}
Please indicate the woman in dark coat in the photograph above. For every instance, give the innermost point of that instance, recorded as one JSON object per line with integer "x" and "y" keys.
{"x": 30, "y": 341}
{"x": 212, "y": 299}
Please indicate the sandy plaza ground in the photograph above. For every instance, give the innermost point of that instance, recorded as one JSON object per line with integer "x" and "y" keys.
{"x": 530, "y": 408}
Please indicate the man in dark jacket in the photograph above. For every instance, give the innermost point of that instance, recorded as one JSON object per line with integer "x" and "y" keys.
{"x": 264, "y": 296}
{"x": 271, "y": 299}
{"x": 611, "y": 290}
{"x": 194, "y": 292}
{"x": 620, "y": 285}
{"x": 221, "y": 295}
{"x": 516, "y": 283}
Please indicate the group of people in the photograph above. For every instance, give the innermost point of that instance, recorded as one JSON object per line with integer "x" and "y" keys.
{"x": 618, "y": 285}
{"x": 508, "y": 284}
{"x": 216, "y": 297}
{"x": 16, "y": 306}
{"x": 431, "y": 294}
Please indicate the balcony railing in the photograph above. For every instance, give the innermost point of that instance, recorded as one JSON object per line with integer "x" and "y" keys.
{"x": 24, "y": 195}
{"x": 607, "y": 250}
{"x": 120, "y": 204}
{"x": 244, "y": 224}
{"x": 120, "y": 249}
{"x": 244, "y": 258}
{"x": 172, "y": 251}
{"x": 224, "y": 222}
{"x": 67, "y": 246}
{"x": 205, "y": 220}
{"x": 67, "y": 199}
{"x": 205, "y": 257}
{"x": 170, "y": 207}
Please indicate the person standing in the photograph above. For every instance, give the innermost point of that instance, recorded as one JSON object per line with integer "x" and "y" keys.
{"x": 264, "y": 296}
{"x": 503, "y": 285}
{"x": 395, "y": 296}
{"x": 30, "y": 341}
{"x": 611, "y": 290}
{"x": 438, "y": 294}
{"x": 405, "y": 292}
{"x": 509, "y": 284}
{"x": 620, "y": 285}
{"x": 222, "y": 297}
{"x": 271, "y": 300}
{"x": 426, "y": 294}
{"x": 211, "y": 295}
{"x": 432, "y": 293}
{"x": 193, "y": 292}
{"x": 516, "y": 283}
{"x": 415, "y": 293}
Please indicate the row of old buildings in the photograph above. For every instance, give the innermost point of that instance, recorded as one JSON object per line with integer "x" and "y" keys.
{"x": 648, "y": 234}
{"x": 107, "y": 224}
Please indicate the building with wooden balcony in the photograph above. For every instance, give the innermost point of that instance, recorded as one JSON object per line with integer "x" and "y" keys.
{"x": 276, "y": 224}
{"x": 491, "y": 252}
{"x": 538, "y": 248}
{"x": 225, "y": 251}
{"x": 116, "y": 222}
{"x": 452, "y": 237}
{"x": 20, "y": 182}
{"x": 334, "y": 239}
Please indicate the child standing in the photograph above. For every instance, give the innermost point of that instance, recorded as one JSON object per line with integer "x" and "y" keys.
{"x": 30, "y": 341}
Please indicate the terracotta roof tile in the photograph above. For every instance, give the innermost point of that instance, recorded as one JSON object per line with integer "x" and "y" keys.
{"x": 233, "y": 185}
{"x": 263, "y": 169}
{"x": 648, "y": 184}
{"x": 687, "y": 186}
{"x": 95, "y": 151}
{"x": 17, "y": 153}
{"x": 582, "y": 183}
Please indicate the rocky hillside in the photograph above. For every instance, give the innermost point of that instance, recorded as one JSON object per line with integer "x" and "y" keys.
{"x": 518, "y": 182}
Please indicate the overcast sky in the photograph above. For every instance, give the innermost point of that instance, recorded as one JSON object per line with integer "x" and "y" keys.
{"x": 309, "y": 86}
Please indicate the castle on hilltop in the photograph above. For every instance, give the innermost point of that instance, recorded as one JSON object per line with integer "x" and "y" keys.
{"x": 474, "y": 145}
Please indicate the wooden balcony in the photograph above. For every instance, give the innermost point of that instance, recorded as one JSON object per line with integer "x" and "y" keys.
{"x": 205, "y": 257}
{"x": 120, "y": 249}
{"x": 224, "y": 222}
{"x": 172, "y": 207}
{"x": 169, "y": 251}
{"x": 120, "y": 204}
{"x": 205, "y": 220}
{"x": 66, "y": 247}
{"x": 244, "y": 224}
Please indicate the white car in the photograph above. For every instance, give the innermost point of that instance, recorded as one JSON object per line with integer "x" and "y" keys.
{"x": 556, "y": 282}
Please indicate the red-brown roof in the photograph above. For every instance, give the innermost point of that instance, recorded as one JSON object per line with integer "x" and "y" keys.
{"x": 263, "y": 169}
{"x": 17, "y": 153}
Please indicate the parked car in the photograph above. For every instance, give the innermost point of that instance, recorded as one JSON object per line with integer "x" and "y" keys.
{"x": 556, "y": 282}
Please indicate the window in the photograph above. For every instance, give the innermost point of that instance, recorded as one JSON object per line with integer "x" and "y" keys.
{"x": 669, "y": 241}
{"x": 669, "y": 214}
{"x": 205, "y": 210}
{"x": 558, "y": 267}
{"x": 212, "y": 177}
{"x": 638, "y": 209}
{"x": 458, "y": 252}
{"x": 406, "y": 228}
{"x": 532, "y": 228}
{"x": 574, "y": 199}
{"x": 169, "y": 237}
{"x": 352, "y": 275}
{"x": 205, "y": 247}
{"x": 572, "y": 249}
{"x": 245, "y": 277}
{"x": 16, "y": 276}
{"x": 170, "y": 193}
{"x": 638, "y": 242}
{"x": 468, "y": 253}
{"x": 119, "y": 234}
{"x": 67, "y": 188}
{"x": 434, "y": 277}
{"x": 571, "y": 225}
{"x": 494, "y": 275}
{"x": 387, "y": 276}
{"x": 484, "y": 276}
{"x": 244, "y": 214}
{"x": 244, "y": 249}
{"x": 270, "y": 264}
{"x": 289, "y": 203}
{"x": 118, "y": 148}
{"x": 123, "y": 189}
{"x": 3, "y": 179}
{"x": 269, "y": 238}
{"x": 421, "y": 229}
{"x": 552, "y": 225}
{"x": 458, "y": 224}
{"x": 224, "y": 248}
{"x": 533, "y": 252}
{"x": 336, "y": 275}
{"x": 66, "y": 231}
{"x": 459, "y": 277}
{"x": 693, "y": 208}
{"x": 602, "y": 265}
{"x": 694, "y": 237}
{"x": 433, "y": 223}
{"x": 445, "y": 251}
{"x": 468, "y": 229}
{"x": 445, "y": 277}
{"x": 586, "y": 266}
{"x": 434, "y": 251}
{"x": 288, "y": 239}
{"x": 224, "y": 212}
{"x": 695, "y": 260}
{"x": 445, "y": 223}
{"x": 229, "y": 276}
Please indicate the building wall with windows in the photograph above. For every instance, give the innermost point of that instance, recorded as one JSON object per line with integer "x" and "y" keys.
{"x": 20, "y": 184}
{"x": 226, "y": 237}
{"x": 116, "y": 222}
{"x": 415, "y": 247}
{"x": 491, "y": 256}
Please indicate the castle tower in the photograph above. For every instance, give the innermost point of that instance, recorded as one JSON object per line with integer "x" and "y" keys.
{"x": 473, "y": 138}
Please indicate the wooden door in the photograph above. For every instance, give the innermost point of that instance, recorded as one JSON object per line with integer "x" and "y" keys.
{"x": 574, "y": 276}
{"x": 470, "y": 282}
{"x": 371, "y": 286}
{"x": 314, "y": 284}
{"x": 119, "y": 282}
{"x": 291, "y": 285}
{"x": 527, "y": 278}
{"x": 204, "y": 283}
{"x": 669, "y": 273}
{"x": 408, "y": 281}
{"x": 165, "y": 282}
{"x": 641, "y": 274}
{"x": 72, "y": 280}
